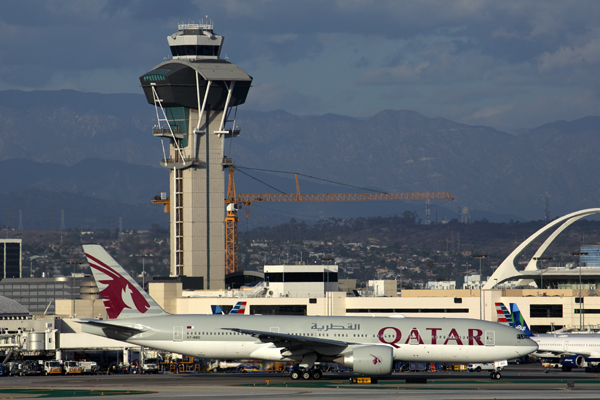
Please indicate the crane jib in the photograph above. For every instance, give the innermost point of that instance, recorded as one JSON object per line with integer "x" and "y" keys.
{"x": 251, "y": 198}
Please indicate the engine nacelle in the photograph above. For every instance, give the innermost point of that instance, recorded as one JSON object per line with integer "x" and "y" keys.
{"x": 573, "y": 361}
{"x": 369, "y": 360}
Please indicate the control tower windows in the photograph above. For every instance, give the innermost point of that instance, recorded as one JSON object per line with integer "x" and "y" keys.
{"x": 194, "y": 50}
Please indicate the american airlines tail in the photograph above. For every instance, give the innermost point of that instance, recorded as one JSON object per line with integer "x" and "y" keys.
{"x": 504, "y": 316}
{"x": 122, "y": 296}
{"x": 240, "y": 308}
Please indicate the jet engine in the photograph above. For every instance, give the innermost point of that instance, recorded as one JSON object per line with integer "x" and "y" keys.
{"x": 573, "y": 361}
{"x": 369, "y": 360}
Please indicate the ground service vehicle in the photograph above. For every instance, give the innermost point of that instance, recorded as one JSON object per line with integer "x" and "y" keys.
{"x": 88, "y": 367}
{"x": 217, "y": 366}
{"x": 150, "y": 366}
{"x": 118, "y": 368}
{"x": 71, "y": 368}
{"x": 478, "y": 367}
{"x": 52, "y": 368}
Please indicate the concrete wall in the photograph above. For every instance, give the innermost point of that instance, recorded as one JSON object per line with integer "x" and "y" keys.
{"x": 166, "y": 295}
{"x": 80, "y": 308}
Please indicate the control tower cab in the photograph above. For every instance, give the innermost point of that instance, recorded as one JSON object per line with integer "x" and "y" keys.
{"x": 195, "y": 42}
{"x": 194, "y": 94}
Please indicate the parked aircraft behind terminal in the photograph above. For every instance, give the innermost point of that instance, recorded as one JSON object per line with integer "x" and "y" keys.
{"x": 368, "y": 345}
{"x": 573, "y": 350}
{"x": 238, "y": 309}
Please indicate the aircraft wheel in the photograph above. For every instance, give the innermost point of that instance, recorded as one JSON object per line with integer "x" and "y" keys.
{"x": 306, "y": 375}
{"x": 497, "y": 375}
{"x": 317, "y": 374}
{"x": 295, "y": 375}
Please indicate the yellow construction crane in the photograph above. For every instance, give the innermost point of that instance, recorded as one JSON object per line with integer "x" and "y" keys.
{"x": 235, "y": 201}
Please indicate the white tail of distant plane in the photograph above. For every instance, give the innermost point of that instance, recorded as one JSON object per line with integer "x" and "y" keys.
{"x": 122, "y": 296}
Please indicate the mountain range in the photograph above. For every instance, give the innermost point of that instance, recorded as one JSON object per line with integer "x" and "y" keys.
{"x": 93, "y": 155}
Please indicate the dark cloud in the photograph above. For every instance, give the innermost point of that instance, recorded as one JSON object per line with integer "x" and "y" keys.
{"x": 484, "y": 62}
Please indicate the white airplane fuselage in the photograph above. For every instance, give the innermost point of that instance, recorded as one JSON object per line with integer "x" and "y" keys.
{"x": 551, "y": 345}
{"x": 412, "y": 339}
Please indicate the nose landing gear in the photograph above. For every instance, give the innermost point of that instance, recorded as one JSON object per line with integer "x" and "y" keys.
{"x": 495, "y": 375}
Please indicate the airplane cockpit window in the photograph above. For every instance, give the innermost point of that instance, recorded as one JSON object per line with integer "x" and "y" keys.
{"x": 522, "y": 336}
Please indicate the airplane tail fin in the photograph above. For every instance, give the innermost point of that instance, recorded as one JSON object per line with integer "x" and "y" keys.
{"x": 216, "y": 309}
{"x": 122, "y": 296}
{"x": 519, "y": 321}
{"x": 239, "y": 308}
{"x": 512, "y": 318}
{"x": 504, "y": 316}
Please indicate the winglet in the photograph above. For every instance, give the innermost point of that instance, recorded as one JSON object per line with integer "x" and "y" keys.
{"x": 123, "y": 297}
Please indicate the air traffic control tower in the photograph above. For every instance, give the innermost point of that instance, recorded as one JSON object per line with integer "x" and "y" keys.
{"x": 195, "y": 94}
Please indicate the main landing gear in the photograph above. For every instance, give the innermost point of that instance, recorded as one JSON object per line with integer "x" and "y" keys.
{"x": 495, "y": 375}
{"x": 305, "y": 374}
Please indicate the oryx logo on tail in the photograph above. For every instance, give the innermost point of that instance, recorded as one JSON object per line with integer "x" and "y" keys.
{"x": 119, "y": 293}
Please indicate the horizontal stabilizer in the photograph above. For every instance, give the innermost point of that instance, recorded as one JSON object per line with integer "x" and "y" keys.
{"x": 111, "y": 330}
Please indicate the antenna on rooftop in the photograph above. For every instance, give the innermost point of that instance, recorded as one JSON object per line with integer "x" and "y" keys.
{"x": 62, "y": 220}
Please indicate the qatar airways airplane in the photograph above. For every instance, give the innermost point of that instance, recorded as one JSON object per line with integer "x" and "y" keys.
{"x": 368, "y": 345}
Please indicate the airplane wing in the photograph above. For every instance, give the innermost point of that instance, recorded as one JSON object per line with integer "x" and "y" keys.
{"x": 285, "y": 340}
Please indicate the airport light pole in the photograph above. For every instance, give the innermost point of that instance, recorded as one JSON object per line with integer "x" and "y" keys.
{"x": 580, "y": 253}
{"x": 541, "y": 271}
{"x": 73, "y": 263}
{"x": 400, "y": 281}
{"x": 143, "y": 255}
{"x": 480, "y": 256}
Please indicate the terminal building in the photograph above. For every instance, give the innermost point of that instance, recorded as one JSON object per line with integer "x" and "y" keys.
{"x": 549, "y": 299}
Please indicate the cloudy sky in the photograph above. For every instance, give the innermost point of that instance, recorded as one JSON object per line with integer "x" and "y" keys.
{"x": 506, "y": 64}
